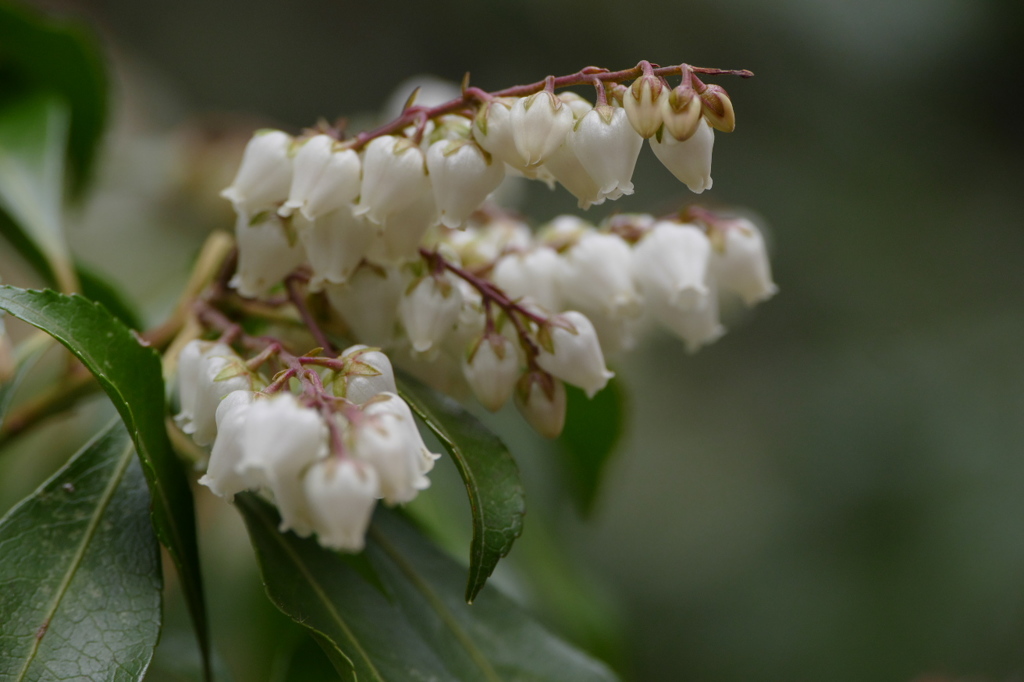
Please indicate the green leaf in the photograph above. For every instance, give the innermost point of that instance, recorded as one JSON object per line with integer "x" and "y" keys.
{"x": 496, "y": 498}
{"x": 425, "y": 631}
{"x": 593, "y": 428}
{"x": 10, "y": 387}
{"x": 130, "y": 374}
{"x": 80, "y": 571}
{"x": 33, "y": 137}
{"x": 39, "y": 54}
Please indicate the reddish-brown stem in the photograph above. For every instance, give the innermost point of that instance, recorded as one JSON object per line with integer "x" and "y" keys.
{"x": 584, "y": 76}
{"x": 295, "y": 294}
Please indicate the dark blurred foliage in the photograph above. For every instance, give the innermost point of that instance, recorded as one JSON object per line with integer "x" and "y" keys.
{"x": 834, "y": 491}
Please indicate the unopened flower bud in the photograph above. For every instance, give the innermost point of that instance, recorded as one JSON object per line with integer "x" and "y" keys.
{"x": 607, "y": 146}
{"x": 491, "y": 368}
{"x": 266, "y": 253}
{"x": 265, "y": 174}
{"x": 341, "y": 495}
{"x": 681, "y": 112}
{"x": 368, "y": 373}
{"x": 222, "y": 477}
{"x": 207, "y": 372}
{"x": 718, "y": 109}
{"x": 740, "y": 261}
{"x": 280, "y": 439}
{"x": 325, "y": 180}
{"x": 394, "y": 176}
{"x": 368, "y": 302}
{"x": 570, "y": 351}
{"x": 643, "y": 106}
{"x": 492, "y": 130}
{"x": 690, "y": 160}
{"x": 462, "y": 176}
{"x": 429, "y": 310}
{"x": 670, "y": 264}
{"x": 540, "y": 124}
{"x": 541, "y": 400}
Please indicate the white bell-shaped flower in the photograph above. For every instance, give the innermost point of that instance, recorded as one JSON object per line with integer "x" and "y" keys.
{"x": 740, "y": 261}
{"x": 681, "y": 110}
{"x": 579, "y": 105}
{"x": 394, "y": 176}
{"x": 567, "y": 168}
{"x": 470, "y": 322}
{"x": 402, "y": 231}
{"x": 563, "y": 231}
{"x": 541, "y": 400}
{"x": 393, "y": 404}
{"x": 280, "y": 440}
{"x": 670, "y": 264}
{"x": 265, "y": 174}
{"x": 335, "y": 244}
{"x": 461, "y": 175}
{"x": 368, "y": 302}
{"x": 492, "y": 130}
{"x": 341, "y": 495}
{"x": 207, "y": 372}
{"x": 696, "y": 326}
{"x": 596, "y": 275}
{"x": 492, "y": 368}
{"x": 368, "y": 373}
{"x": 429, "y": 310}
{"x": 540, "y": 124}
{"x": 222, "y": 477}
{"x": 689, "y": 160}
{"x": 533, "y": 274}
{"x": 266, "y": 253}
{"x": 607, "y": 146}
{"x": 387, "y": 439}
{"x": 643, "y": 104}
{"x": 570, "y": 351}
{"x": 325, "y": 179}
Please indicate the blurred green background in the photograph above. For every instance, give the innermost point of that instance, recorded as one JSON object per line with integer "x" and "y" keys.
{"x": 833, "y": 491}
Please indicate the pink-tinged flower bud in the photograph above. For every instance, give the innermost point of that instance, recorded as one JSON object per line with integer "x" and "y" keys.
{"x": 642, "y": 103}
{"x": 462, "y": 176}
{"x": 367, "y": 374}
{"x": 341, "y": 495}
{"x": 324, "y": 179}
{"x": 698, "y": 326}
{"x": 266, "y": 253}
{"x": 540, "y": 124}
{"x": 670, "y": 265}
{"x": 597, "y": 276}
{"x": 429, "y": 310}
{"x": 281, "y": 438}
{"x": 492, "y": 130}
{"x": 335, "y": 243}
{"x": 541, "y": 400}
{"x": 532, "y": 275}
{"x": 607, "y": 146}
{"x": 491, "y": 368}
{"x": 265, "y": 174}
{"x": 570, "y": 351}
{"x": 717, "y": 108}
{"x": 740, "y": 261}
{"x": 368, "y": 302}
{"x": 394, "y": 177}
{"x": 207, "y": 372}
{"x": 222, "y": 477}
{"x": 690, "y": 160}
{"x": 681, "y": 111}
{"x": 566, "y": 167}
{"x": 387, "y": 439}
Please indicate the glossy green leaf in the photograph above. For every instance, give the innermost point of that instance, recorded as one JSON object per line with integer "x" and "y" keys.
{"x": 33, "y": 137}
{"x": 496, "y": 498}
{"x": 42, "y": 54}
{"x": 593, "y": 428}
{"x": 130, "y": 374}
{"x": 80, "y": 571}
{"x": 424, "y": 631}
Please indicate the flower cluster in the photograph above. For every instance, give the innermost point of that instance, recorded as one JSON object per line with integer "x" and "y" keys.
{"x": 325, "y": 455}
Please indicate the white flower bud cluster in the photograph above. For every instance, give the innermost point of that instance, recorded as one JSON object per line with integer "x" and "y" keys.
{"x": 325, "y": 460}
